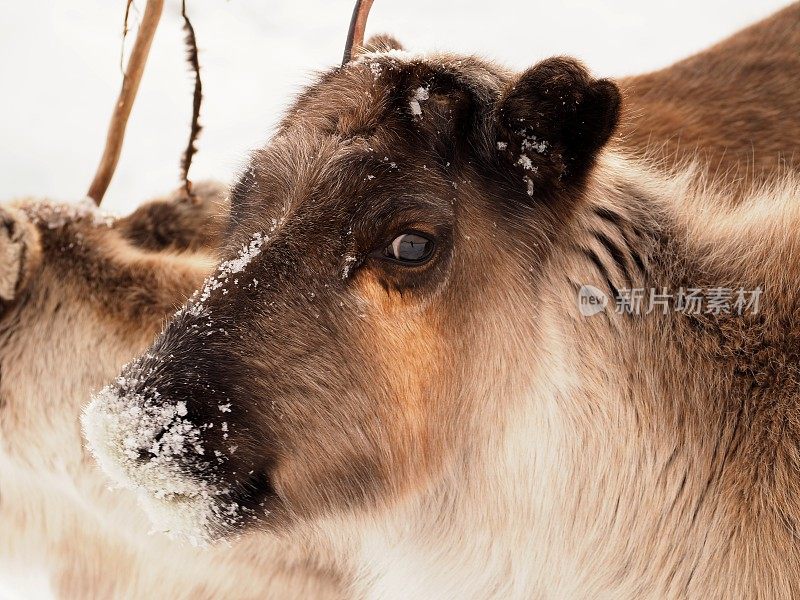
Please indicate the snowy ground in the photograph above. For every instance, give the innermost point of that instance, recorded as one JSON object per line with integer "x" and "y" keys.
{"x": 59, "y": 64}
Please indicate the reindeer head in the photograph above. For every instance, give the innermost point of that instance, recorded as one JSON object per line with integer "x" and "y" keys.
{"x": 382, "y": 265}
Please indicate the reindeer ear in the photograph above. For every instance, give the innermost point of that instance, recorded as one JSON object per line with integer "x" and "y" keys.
{"x": 553, "y": 120}
{"x": 383, "y": 42}
{"x": 19, "y": 253}
{"x": 180, "y": 223}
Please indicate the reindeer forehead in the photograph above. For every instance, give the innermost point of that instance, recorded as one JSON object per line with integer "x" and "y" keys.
{"x": 361, "y": 127}
{"x": 380, "y": 90}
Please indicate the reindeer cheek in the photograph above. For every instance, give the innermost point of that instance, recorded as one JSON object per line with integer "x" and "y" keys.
{"x": 410, "y": 355}
{"x": 397, "y": 295}
{"x": 379, "y": 296}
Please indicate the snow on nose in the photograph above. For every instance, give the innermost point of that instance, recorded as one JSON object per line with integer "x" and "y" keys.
{"x": 146, "y": 443}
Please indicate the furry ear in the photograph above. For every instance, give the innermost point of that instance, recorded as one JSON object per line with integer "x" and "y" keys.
{"x": 19, "y": 253}
{"x": 553, "y": 120}
{"x": 383, "y": 42}
{"x": 180, "y": 223}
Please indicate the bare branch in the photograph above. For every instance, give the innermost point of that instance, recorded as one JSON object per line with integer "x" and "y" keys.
{"x": 194, "y": 63}
{"x": 122, "y": 109}
{"x": 125, "y": 30}
{"x": 358, "y": 23}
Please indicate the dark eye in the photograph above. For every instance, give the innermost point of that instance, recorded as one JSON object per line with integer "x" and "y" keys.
{"x": 411, "y": 248}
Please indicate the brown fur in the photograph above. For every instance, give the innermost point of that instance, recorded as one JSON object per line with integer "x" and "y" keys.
{"x": 733, "y": 106}
{"x": 179, "y": 223}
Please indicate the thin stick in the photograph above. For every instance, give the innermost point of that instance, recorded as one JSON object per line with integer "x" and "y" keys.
{"x": 128, "y": 4}
{"x": 194, "y": 63}
{"x": 358, "y": 23}
{"x": 122, "y": 109}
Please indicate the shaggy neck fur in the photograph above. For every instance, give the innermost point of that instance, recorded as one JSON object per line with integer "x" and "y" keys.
{"x": 646, "y": 456}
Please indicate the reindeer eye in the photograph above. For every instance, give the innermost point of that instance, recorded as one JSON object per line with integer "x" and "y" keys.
{"x": 409, "y": 248}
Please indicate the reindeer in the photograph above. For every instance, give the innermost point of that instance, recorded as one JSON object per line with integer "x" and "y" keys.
{"x": 392, "y": 356}
{"x": 80, "y": 294}
{"x": 713, "y": 107}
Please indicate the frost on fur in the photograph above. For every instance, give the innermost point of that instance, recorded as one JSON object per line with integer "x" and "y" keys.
{"x": 225, "y": 270}
{"x": 56, "y": 215}
{"x": 420, "y": 95}
{"x": 142, "y": 441}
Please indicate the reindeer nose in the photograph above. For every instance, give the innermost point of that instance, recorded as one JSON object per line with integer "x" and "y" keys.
{"x": 128, "y": 426}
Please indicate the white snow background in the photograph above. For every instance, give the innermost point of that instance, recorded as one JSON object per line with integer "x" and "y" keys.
{"x": 59, "y": 74}
{"x": 59, "y": 68}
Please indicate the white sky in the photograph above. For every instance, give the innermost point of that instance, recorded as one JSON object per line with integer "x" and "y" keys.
{"x": 59, "y": 64}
